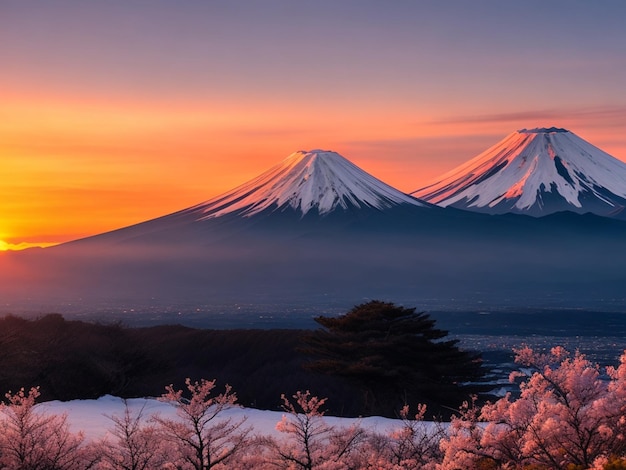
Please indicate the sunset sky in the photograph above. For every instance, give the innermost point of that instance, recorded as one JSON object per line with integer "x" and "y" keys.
{"x": 114, "y": 112}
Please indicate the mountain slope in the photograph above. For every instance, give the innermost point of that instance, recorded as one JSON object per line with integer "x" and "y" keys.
{"x": 535, "y": 172}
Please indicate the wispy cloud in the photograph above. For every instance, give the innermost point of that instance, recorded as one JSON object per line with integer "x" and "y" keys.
{"x": 612, "y": 116}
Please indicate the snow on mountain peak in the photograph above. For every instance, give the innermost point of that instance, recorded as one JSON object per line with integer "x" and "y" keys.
{"x": 534, "y": 171}
{"x": 316, "y": 180}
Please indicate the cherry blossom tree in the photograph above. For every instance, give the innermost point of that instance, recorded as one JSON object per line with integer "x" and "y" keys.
{"x": 567, "y": 416}
{"x": 614, "y": 406}
{"x": 137, "y": 444}
{"x": 559, "y": 414}
{"x": 202, "y": 437}
{"x": 32, "y": 439}
{"x": 413, "y": 444}
{"x": 310, "y": 442}
{"x": 463, "y": 447}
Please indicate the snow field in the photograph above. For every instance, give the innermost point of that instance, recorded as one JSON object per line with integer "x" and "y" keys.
{"x": 92, "y": 416}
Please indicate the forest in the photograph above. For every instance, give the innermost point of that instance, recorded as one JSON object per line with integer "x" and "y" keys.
{"x": 392, "y": 357}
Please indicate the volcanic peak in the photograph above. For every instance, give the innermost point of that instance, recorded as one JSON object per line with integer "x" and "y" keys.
{"x": 317, "y": 180}
{"x": 535, "y": 172}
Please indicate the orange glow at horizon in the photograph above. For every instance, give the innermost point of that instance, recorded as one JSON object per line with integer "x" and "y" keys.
{"x": 4, "y": 246}
{"x": 73, "y": 167}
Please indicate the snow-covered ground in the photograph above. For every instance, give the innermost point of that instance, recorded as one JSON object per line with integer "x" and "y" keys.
{"x": 92, "y": 417}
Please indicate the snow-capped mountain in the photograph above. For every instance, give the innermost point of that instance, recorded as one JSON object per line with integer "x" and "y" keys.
{"x": 316, "y": 181}
{"x": 309, "y": 185}
{"x": 535, "y": 172}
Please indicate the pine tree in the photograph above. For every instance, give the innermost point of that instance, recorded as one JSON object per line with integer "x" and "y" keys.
{"x": 395, "y": 355}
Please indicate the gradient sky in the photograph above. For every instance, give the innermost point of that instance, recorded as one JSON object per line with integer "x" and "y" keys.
{"x": 113, "y": 112}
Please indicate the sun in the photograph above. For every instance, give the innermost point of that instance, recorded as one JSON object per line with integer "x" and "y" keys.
{"x": 4, "y": 246}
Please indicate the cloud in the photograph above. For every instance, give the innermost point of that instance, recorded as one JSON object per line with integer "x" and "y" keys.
{"x": 609, "y": 116}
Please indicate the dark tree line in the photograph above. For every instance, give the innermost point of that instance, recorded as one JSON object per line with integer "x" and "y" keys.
{"x": 384, "y": 355}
